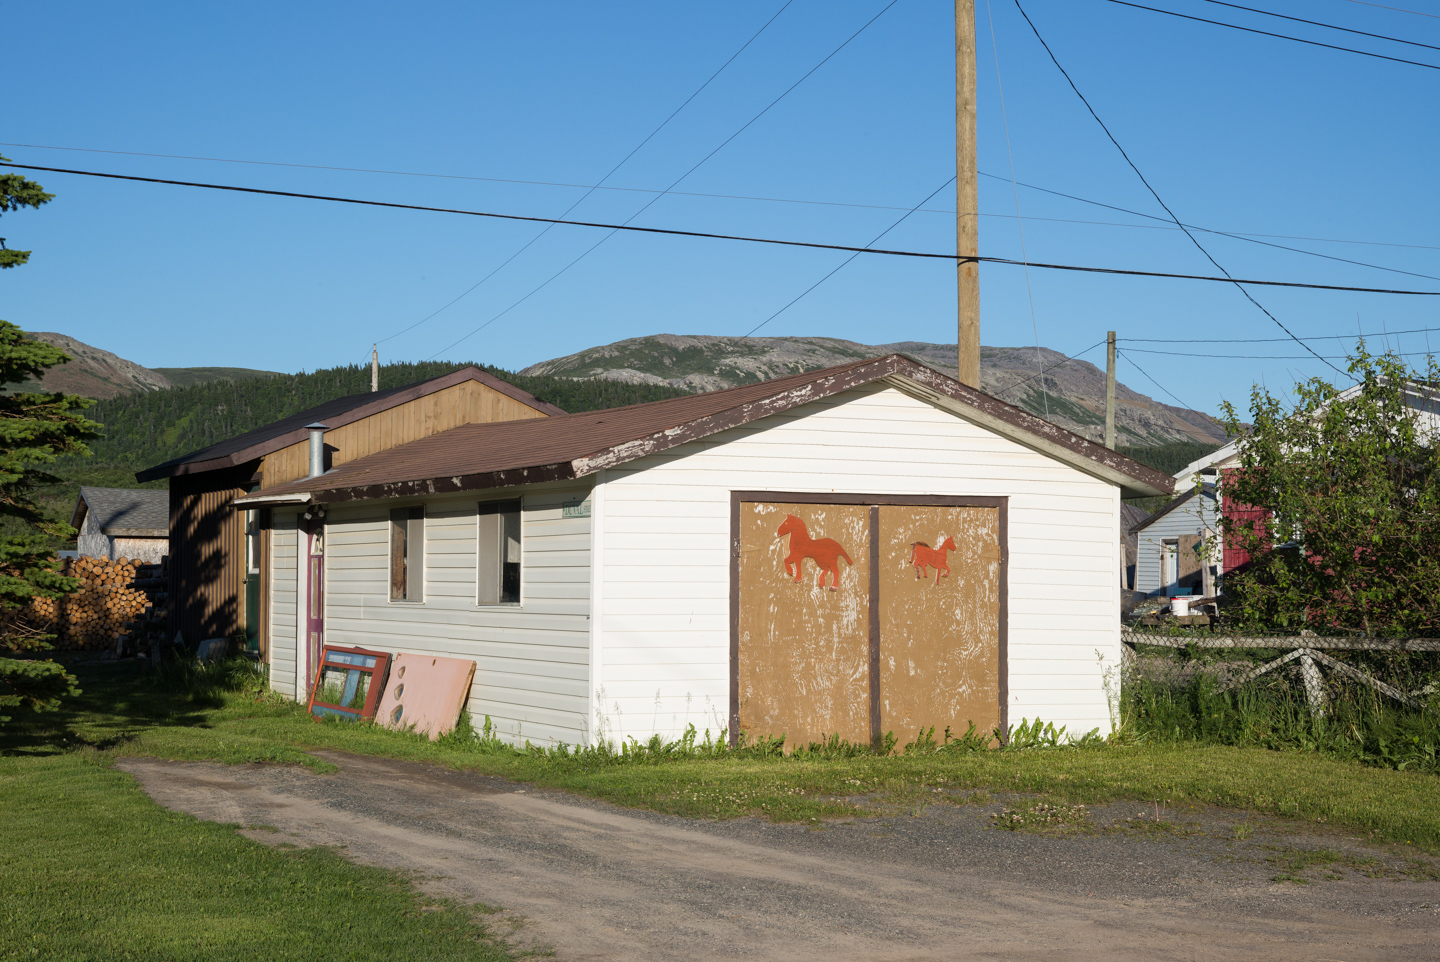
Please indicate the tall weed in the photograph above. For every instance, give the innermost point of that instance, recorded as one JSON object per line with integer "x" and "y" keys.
{"x": 1357, "y": 723}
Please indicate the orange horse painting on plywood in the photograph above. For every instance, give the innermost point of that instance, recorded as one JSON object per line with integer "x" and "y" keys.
{"x": 826, "y": 552}
{"x": 923, "y": 556}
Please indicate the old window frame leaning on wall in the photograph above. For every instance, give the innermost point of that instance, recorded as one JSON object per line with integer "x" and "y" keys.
{"x": 407, "y": 554}
{"x": 499, "y": 553}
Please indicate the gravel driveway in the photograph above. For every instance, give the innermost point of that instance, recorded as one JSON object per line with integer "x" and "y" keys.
{"x": 598, "y": 882}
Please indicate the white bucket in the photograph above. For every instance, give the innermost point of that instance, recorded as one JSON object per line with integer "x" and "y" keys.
{"x": 1180, "y": 606}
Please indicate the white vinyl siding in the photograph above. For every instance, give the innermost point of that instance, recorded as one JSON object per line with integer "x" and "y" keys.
{"x": 663, "y": 614}
{"x": 532, "y": 659}
{"x": 1193, "y": 517}
{"x": 283, "y": 541}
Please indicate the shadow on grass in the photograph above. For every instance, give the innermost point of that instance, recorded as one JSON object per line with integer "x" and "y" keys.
{"x": 118, "y": 701}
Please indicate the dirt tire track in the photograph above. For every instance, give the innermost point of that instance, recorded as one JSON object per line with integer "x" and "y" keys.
{"x": 598, "y": 882}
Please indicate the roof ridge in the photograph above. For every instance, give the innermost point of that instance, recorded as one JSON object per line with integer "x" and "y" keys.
{"x": 498, "y": 454}
{"x": 232, "y": 451}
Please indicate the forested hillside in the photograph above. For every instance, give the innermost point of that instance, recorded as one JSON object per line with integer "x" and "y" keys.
{"x": 146, "y": 429}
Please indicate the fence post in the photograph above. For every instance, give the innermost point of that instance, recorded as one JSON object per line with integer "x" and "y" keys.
{"x": 1314, "y": 685}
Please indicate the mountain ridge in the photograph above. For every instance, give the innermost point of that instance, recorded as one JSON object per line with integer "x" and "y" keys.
{"x": 1069, "y": 393}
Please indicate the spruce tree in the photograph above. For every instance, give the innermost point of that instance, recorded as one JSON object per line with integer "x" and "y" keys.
{"x": 36, "y": 427}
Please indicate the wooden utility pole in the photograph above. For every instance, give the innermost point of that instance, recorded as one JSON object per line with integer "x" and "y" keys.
{"x": 374, "y": 368}
{"x": 1110, "y": 390}
{"x": 967, "y": 194}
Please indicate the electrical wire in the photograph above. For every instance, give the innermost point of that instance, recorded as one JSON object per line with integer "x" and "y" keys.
{"x": 847, "y": 260}
{"x": 1015, "y": 192}
{"x": 1153, "y": 381}
{"x": 710, "y": 235}
{"x": 1045, "y": 371}
{"x": 583, "y": 197}
{"x": 648, "y": 204}
{"x": 1272, "y": 340}
{"x": 1171, "y": 225}
{"x": 1367, "y": 3}
{"x": 1317, "y": 23}
{"x": 1281, "y": 36}
{"x": 1164, "y": 224}
{"x": 1153, "y": 192}
{"x": 1261, "y": 357}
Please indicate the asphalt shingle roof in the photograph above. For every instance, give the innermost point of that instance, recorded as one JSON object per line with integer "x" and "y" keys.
{"x": 127, "y": 512}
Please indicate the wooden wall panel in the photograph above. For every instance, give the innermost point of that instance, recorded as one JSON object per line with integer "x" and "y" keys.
{"x": 803, "y": 665}
{"x": 939, "y": 633}
{"x": 207, "y": 554}
{"x": 468, "y": 402}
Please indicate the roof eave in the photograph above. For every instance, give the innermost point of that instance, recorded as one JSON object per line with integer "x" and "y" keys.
{"x": 1046, "y": 438}
{"x": 270, "y": 500}
{"x": 180, "y": 466}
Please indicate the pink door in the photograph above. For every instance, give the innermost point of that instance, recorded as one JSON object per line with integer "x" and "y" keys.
{"x": 315, "y": 601}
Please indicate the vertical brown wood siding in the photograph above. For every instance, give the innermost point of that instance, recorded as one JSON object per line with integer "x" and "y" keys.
{"x": 469, "y": 402}
{"x": 207, "y": 553}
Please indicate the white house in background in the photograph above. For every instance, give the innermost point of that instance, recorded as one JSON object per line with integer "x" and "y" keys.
{"x": 1167, "y": 559}
{"x": 1199, "y": 514}
{"x": 872, "y": 547}
{"x": 122, "y": 523}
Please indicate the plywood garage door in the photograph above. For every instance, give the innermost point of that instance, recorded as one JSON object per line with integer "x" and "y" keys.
{"x": 906, "y": 635}
{"x": 803, "y": 661}
{"x": 939, "y": 619}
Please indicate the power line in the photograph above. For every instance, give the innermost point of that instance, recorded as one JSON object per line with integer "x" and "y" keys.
{"x": 1015, "y": 192}
{"x": 1163, "y": 225}
{"x": 583, "y": 197}
{"x": 709, "y": 235}
{"x": 648, "y": 204}
{"x": 848, "y": 259}
{"x": 1317, "y": 23}
{"x": 1153, "y": 192}
{"x": 1162, "y": 387}
{"x": 1367, "y": 3}
{"x": 1282, "y": 36}
{"x": 1047, "y": 370}
{"x": 1273, "y": 340}
{"x": 1174, "y": 225}
{"x": 1262, "y": 357}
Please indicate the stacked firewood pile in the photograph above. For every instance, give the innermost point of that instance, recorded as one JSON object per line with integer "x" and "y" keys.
{"x": 112, "y": 603}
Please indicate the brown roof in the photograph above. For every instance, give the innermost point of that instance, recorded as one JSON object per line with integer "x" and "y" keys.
{"x": 477, "y": 456}
{"x": 337, "y": 413}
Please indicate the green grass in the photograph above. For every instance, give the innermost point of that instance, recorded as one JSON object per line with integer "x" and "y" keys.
{"x": 1358, "y": 723}
{"x": 92, "y": 869}
{"x": 118, "y": 716}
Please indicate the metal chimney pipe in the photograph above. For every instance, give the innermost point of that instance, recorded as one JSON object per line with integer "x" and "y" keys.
{"x": 317, "y": 448}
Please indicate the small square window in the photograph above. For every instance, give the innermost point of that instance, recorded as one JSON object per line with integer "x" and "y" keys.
{"x": 407, "y": 554}
{"x": 499, "y": 556}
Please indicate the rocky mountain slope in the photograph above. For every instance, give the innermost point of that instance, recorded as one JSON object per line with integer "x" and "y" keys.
{"x": 96, "y": 373}
{"x": 1071, "y": 395}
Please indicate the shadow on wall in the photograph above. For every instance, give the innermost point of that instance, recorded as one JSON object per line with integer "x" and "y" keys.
{"x": 207, "y": 553}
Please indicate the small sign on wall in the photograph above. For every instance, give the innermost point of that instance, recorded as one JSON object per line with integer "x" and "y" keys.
{"x": 575, "y": 509}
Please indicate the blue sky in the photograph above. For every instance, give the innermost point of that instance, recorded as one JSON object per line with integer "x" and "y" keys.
{"x": 1237, "y": 132}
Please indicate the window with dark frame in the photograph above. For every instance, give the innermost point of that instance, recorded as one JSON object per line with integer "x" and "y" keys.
{"x": 407, "y": 554}
{"x": 252, "y": 542}
{"x": 499, "y": 555}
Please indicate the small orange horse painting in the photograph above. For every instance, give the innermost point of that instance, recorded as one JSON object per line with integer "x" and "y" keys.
{"x": 923, "y": 556}
{"x": 825, "y": 551}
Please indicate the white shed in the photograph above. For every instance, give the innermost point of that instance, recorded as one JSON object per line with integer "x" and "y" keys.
{"x": 122, "y": 523}
{"x": 867, "y": 548}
